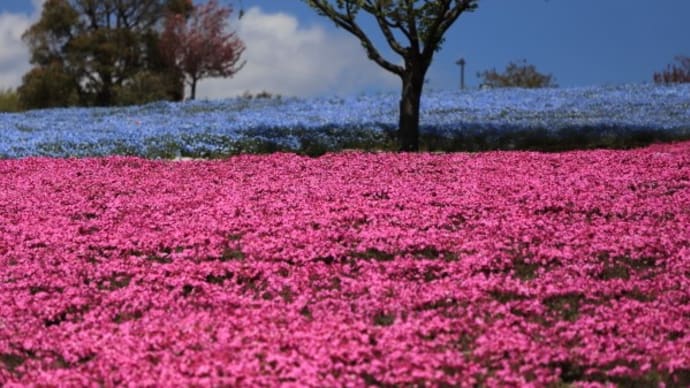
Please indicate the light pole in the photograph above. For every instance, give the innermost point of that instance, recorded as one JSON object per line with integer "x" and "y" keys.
{"x": 461, "y": 63}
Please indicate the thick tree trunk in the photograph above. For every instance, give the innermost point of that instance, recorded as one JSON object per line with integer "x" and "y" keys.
{"x": 408, "y": 130}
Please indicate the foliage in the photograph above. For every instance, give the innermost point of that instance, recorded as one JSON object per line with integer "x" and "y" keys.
{"x": 49, "y": 37}
{"x": 423, "y": 26}
{"x": 263, "y": 94}
{"x": 507, "y": 269}
{"x": 675, "y": 74}
{"x": 197, "y": 45}
{"x": 101, "y": 46}
{"x": 546, "y": 119}
{"x": 517, "y": 75}
{"x": 9, "y": 101}
{"x": 173, "y": 80}
{"x": 48, "y": 86}
{"x": 143, "y": 88}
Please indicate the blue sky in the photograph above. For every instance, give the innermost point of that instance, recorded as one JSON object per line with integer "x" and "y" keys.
{"x": 579, "y": 42}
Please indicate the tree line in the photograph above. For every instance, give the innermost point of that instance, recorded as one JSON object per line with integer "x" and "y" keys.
{"x": 123, "y": 52}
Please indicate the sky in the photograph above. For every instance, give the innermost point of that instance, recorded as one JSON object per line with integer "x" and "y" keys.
{"x": 292, "y": 51}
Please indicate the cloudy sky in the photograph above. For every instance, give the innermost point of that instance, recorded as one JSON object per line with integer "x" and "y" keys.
{"x": 293, "y": 51}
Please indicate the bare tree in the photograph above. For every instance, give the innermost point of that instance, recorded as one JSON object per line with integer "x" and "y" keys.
{"x": 422, "y": 24}
{"x": 517, "y": 75}
{"x": 675, "y": 74}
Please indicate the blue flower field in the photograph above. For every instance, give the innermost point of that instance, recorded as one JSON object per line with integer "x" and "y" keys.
{"x": 540, "y": 119}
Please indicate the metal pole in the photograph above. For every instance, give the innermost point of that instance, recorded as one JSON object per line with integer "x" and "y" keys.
{"x": 461, "y": 63}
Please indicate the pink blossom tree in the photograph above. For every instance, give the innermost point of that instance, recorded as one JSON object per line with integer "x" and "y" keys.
{"x": 198, "y": 44}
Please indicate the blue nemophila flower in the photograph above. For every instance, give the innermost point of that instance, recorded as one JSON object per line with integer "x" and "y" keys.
{"x": 208, "y": 128}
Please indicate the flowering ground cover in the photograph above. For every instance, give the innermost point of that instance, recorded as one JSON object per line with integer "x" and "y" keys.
{"x": 352, "y": 269}
{"x": 550, "y": 119}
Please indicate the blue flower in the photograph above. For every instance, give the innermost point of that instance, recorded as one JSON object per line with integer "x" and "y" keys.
{"x": 208, "y": 128}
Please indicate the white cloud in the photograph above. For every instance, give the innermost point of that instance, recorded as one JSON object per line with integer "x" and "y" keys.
{"x": 14, "y": 56}
{"x": 282, "y": 58}
{"x": 287, "y": 59}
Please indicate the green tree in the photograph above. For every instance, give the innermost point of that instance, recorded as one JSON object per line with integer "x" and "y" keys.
{"x": 144, "y": 87}
{"x": 48, "y": 86}
{"x": 517, "y": 75}
{"x": 9, "y": 101}
{"x": 414, "y": 30}
{"x": 102, "y": 46}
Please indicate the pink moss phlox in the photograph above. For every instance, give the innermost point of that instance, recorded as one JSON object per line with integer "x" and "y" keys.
{"x": 501, "y": 268}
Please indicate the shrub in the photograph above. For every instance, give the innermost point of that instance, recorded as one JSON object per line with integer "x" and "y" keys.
{"x": 9, "y": 101}
{"x": 143, "y": 88}
{"x": 48, "y": 87}
{"x": 261, "y": 95}
{"x": 675, "y": 74}
{"x": 519, "y": 75}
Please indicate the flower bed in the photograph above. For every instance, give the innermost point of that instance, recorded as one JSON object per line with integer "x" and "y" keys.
{"x": 550, "y": 119}
{"x": 501, "y": 268}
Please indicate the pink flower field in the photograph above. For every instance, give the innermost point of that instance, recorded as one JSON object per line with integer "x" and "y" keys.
{"x": 352, "y": 269}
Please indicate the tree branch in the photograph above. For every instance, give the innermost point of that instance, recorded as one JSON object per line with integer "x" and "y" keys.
{"x": 413, "y": 35}
{"x": 347, "y": 22}
{"x": 443, "y": 21}
{"x": 385, "y": 25}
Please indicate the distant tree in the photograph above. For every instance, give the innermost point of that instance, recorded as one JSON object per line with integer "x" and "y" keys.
{"x": 422, "y": 24}
{"x": 143, "y": 88}
{"x": 9, "y": 101}
{"x": 102, "y": 46}
{"x": 262, "y": 95}
{"x": 49, "y": 37}
{"x": 172, "y": 81}
{"x": 519, "y": 75}
{"x": 198, "y": 46}
{"x": 48, "y": 86}
{"x": 675, "y": 74}
{"x": 180, "y": 7}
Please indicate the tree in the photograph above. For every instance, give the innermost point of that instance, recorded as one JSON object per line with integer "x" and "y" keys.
{"x": 9, "y": 101}
{"x": 48, "y": 86}
{"x": 100, "y": 45}
{"x": 143, "y": 88}
{"x": 422, "y": 24}
{"x": 517, "y": 75}
{"x": 198, "y": 46}
{"x": 675, "y": 74}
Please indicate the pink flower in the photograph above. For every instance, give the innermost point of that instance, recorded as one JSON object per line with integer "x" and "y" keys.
{"x": 496, "y": 268}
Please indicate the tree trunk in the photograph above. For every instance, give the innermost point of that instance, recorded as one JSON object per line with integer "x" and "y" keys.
{"x": 193, "y": 86}
{"x": 104, "y": 97}
{"x": 408, "y": 130}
